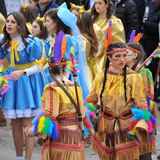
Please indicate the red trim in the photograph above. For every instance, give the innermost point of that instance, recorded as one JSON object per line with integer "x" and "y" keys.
{"x": 116, "y": 150}
{"x": 62, "y": 146}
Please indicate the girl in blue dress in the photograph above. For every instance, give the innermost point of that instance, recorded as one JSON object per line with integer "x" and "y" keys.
{"x": 62, "y": 19}
{"x": 23, "y": 100}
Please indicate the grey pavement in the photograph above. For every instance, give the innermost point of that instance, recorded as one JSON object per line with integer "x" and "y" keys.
{"x": 7, "y": 150}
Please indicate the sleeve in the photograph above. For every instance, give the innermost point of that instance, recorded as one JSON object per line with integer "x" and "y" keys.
{"x": 148, "y": 82}
{"x": 93, "y": 95}
{"x": 137, "y": 92}
{"x": 118, "y": 34}
{"x": 47, "y": 45}
{"x": 45, "y": 124}
{"x": 34, "y": 49}
{"x": 142, "y": 125}
{"x": 152, "y": 27}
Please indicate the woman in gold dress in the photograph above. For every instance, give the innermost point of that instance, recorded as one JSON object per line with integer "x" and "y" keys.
{"x": 102, "y": 12}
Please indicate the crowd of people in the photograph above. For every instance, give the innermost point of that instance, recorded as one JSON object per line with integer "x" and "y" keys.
{"x": 78, "y": 71}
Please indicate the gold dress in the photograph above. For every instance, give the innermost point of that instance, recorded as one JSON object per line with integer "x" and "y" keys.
{"x": 149, "y": 92}
{"x": 111, "y": 140}
{"x": 118, "y": 34}
{"x": 57, "y": 105}
{"x": 100, "y": 57}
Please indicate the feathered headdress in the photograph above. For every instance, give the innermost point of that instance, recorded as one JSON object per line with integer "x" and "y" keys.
{"x": 134, "y": 37}
{"x": 59, "y": 49}
{"x": 109, "y": 34}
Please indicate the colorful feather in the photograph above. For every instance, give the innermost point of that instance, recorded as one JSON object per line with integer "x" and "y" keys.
{"x": 45, "y": 125}
{"x": 4, "y": 85}
{"x": 109, "y": 34}
{"x": 57, "y": 47}
{"x": 1, "y": 61}
{"x": 156, "y": 53}
{"x": 72, "y": 65}
{"x": 133, "y": 34}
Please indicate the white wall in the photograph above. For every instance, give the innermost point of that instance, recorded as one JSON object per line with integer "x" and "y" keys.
{"x": 14, "y": 5}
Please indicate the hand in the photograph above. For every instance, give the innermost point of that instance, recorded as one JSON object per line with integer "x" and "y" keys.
{"x": 16, "y": 74}
{"x": 30, "y": 133}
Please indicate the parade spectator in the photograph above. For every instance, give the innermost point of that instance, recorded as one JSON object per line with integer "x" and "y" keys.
{"x": 33, "y": 4}
{"x": 126, "y": 11}
{"x": 45, "y": 5}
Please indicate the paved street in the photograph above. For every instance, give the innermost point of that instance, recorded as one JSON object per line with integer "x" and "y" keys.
{"x": 7, "y": 151}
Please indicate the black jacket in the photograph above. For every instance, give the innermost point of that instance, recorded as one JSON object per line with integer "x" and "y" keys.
{"x": 140, "y": 5}
{"x": 3, "y": 8}
{"x": 127, "y": 12}
{"x": 150, "y": 37}
{"x": 76, "y": 2}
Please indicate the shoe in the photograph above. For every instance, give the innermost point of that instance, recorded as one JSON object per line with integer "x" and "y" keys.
{"x": 158, "y": 157}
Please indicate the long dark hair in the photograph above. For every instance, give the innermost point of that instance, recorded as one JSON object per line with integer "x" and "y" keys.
{"x": 111, "y": 48}
{"x": 85, "y": 25}
{"x": 23, "y": 30}
{"x": 140, "y": 57}
{"x": 52, "y": 13}
{"x": 109, "y": 13}
{"x": 43, "y": 34}
{"x": 28, "y": 14}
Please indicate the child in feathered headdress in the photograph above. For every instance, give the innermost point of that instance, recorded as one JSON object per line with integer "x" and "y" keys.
{"x": 58, "y": 124}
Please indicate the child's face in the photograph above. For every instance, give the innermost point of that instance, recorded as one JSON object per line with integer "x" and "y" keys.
{"x": 32, "y": 3}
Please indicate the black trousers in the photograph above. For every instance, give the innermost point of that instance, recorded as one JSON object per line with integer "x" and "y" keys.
{"x": 146, "y": 157}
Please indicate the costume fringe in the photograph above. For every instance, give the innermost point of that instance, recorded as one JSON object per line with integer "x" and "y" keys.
{"x": 117, "y": 84}
{"x": 60, "y": 148}
{"x": 59, "y": 154}
{"x": 126, "y": 155}
{"x": 147, "y": 148}
{"x": 116, "y": 138}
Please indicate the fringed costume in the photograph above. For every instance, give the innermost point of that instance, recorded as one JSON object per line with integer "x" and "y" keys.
{"x": 59, "y": 112}
{"x": 149, "y": 92}
{"x": 116, "y": 136}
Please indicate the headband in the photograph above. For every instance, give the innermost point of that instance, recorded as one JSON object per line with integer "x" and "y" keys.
{"x": 134, "y": 50}
{"x": 116, "y": 51}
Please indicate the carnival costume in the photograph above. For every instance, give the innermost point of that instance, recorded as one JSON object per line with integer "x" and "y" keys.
{"x": 76, "y": 42}
{"x": 123, "y": 110}
{"x": 118, "y": 34}
{"x": 23, "y": 97}
{"x": 58, "y": 123}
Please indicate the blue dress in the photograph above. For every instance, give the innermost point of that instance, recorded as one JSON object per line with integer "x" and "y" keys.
{"x": 23, "y": 99}
{"x": 71, "y": 42}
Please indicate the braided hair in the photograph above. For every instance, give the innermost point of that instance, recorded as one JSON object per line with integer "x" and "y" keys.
{"x": 110, "y": 48}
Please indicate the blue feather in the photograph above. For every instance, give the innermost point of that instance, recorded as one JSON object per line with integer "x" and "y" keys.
{"x": 133, "y": 34}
